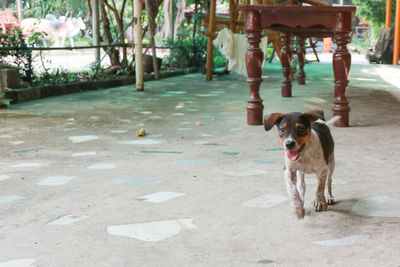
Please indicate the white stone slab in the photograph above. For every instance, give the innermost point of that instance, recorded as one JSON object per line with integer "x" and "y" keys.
{"x": 83, "y": 154}
{"x": 102, "y": 166}
{"x": 82, "y": 138}
{"x": 17, "y": 142}
{"x": 4, "y": 177}
{"x": 146, "y": 112}
{"x": 67, "y": 219}
{"x": 119, "y": 131}
{"x": 206, "y": 135}
{"x": 5, "y": 135}
{"x": 377, "y": 206}
{"x": 18, "y": 263}
{"x": 160, "y": 197}
{"x": 9, "y": 198}
{"x": 142, "y": 142}
{"x": 344, "y": 242}
{"x": 200, "y": 142}
{"x": 265, "y": 201}
{"x": 184, "y": 129}
{"x": 56, "y": 180}
{"x": 26, "y": 164}
{"x": 152, "y": 231}
{"x": 178, "y": 114}
{"x": 244, "y": 173}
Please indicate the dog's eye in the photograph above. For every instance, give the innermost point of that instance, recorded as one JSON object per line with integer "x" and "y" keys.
{"x": 301, "y": 130}
{"x": 281, "y": 131}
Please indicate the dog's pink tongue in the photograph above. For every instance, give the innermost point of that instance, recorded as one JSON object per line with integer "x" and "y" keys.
{"x": 292, "y": 154}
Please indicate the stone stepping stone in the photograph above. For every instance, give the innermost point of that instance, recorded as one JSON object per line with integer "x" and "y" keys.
{"x": 264, "y": 161}
{"x": 119, "y": 131}
{"x": 29, "y": 150}
{"x": 67, "y": 219}
{"x": 18, "y": 263}
{"x": 133, "y": 181}
{"x": 244, "y": 173}
{"x": 230, "y": 153}
{"x": 83, "y": 154}
{"x": 17, "y": 142}
{"x": 265, "y": 201}
{"x": 274, "y": 149}
{"x": 152, "y": 231}
{"x": 56, "y": 180}
{"x": 4, "y": 177}
{"x": 176, "y": 92}
{"x": 9, "y": 198}
{"x": 82, "y": 138}
{"x": 102, "y": 166}
{"x": 377, "y": 206}
{"x": 26, "y": 164}
{"x": 344, "y": 242}
{"x": 141, "y": 142}
{"x": 160, "y": 197}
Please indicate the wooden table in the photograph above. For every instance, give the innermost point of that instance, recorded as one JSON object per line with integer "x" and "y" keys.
{"x": 302, "y": 22}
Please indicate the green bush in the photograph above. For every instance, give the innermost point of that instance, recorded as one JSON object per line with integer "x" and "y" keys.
{"x": 189, "y": 52}
{"x": 19, "y": 52}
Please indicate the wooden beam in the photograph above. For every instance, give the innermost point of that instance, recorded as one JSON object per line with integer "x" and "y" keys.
{"x": 388, "y": 13}
{"x": 211, "y": 29}
{"x": 138, "y": 45}
{"x": 396, "y": 35}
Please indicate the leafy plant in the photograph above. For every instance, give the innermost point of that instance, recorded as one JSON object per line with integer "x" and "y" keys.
{"x": 19, "y": 52}
{"x": 189, "y": 52}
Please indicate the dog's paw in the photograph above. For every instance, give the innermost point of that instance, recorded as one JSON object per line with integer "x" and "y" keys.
{"x": 330, "y": 200}
{"x": 320, "y": 205}
{"x": 300, "y": 212}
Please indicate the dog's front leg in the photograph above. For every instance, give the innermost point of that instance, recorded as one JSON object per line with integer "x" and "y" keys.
{"x": 301, "y": 185}
{"x": 320, "y": 202}
{"x": 295, "y": 200}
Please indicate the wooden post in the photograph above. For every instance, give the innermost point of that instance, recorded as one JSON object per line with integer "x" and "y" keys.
{"x": 138, "y": 45}
{"x": 19, "y": 7}
{"x": 396, "y": 35}
{"x": 211, "y": 28}
{"x": 96, "y": 30}
{"x": 152, "y": 42}
{"x": 388, "y": 13}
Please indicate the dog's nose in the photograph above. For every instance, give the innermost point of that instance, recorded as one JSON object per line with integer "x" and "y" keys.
{"x": 290, "y": 144}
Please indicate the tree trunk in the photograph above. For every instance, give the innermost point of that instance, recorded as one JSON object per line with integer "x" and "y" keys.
{"x": 114, "y": 54}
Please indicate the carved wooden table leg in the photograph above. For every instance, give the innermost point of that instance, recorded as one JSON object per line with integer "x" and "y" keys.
{"x": 341, "y": 68}
{"x": 286, "y": 61}
{"x": 254, "y": 57}
{"x": 301, "y": 51}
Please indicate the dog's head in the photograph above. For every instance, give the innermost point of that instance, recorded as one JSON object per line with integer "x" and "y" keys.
{"x": 294, "y": 129}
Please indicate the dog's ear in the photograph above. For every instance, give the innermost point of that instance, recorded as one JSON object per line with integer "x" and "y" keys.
{"x": 272, "y": 119}
{"x": 313, "y": 115}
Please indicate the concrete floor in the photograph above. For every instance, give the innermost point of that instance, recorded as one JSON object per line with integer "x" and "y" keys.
{"x": 78, "y": 188}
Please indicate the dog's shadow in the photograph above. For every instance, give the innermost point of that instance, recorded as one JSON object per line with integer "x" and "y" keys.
{"x": 343, "y": 205}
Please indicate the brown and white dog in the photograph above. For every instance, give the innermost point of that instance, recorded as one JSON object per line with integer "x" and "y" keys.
{"x": 309, "y": 148}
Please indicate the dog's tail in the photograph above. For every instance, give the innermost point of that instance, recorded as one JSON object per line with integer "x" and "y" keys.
{"x": 332, "y": 120}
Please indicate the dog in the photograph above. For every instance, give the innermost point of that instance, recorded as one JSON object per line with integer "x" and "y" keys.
{"x": 309, "y": 148}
